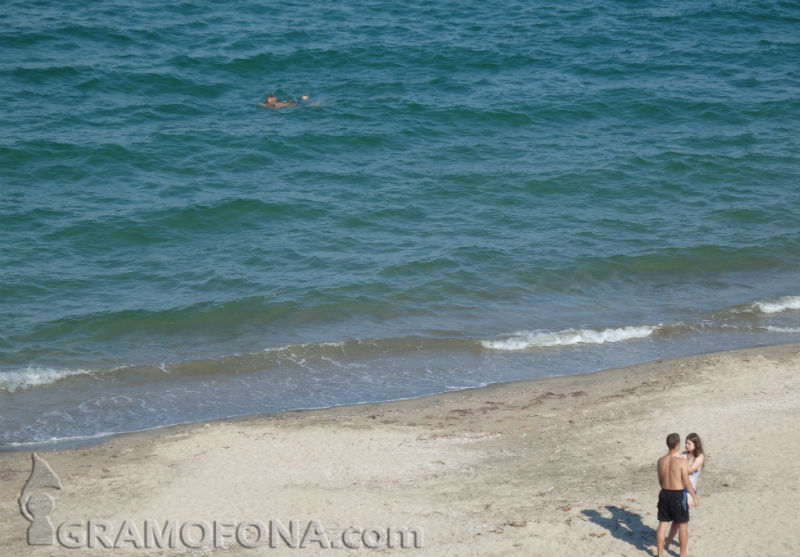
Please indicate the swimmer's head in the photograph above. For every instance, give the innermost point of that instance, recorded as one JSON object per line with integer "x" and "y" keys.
{"x": 304, "y": 98}
{"x": 271, "y": 98}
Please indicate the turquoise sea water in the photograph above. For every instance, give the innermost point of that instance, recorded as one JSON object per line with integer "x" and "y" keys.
{"x": 477, "y": 193}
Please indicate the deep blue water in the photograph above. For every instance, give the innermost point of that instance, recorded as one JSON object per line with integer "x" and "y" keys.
{"x": 476, "y": 193}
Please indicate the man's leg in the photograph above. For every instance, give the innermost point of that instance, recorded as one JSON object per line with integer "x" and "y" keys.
{"x": 683, "y": 536}
{"x": 660, "y": 532}
{"x": 671, "y": 536}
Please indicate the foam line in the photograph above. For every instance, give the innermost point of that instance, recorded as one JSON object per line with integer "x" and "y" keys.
{"x": 532, "y": 339}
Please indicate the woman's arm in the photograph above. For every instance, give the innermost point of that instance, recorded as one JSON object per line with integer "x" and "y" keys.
{"x": 696, "y": 464}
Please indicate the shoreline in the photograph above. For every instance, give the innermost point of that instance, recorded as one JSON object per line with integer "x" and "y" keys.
{"x": 558, "y": 465}
{"x": 74, "y": 443}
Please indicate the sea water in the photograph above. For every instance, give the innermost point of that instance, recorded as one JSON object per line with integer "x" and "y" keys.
{"x": 475, "y": 193}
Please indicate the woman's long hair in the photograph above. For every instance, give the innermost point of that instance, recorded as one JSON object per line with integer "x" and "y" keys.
{"x": 698, "y": 445}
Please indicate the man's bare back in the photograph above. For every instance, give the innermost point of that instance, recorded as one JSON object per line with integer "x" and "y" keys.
{"x": 672, "y": 468}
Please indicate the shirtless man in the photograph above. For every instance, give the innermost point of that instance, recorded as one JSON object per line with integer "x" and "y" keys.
{"x": 272, "y": 102}
{"x": 673, "y": 475}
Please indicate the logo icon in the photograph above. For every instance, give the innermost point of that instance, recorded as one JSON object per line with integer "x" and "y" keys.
{"x": 36, "y": 507}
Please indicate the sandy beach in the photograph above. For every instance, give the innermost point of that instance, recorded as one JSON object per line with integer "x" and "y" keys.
{"x": 555, "y": 466}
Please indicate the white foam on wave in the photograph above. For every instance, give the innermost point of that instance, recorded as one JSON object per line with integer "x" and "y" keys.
{"x": 568, "y": 337}
{"x": 776, "y": 306}
{"x": 21, "y": 379}
{"x": 302, "y": 345}
{"x": 783, "y": 329}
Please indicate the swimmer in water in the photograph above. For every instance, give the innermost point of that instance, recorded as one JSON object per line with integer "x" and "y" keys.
{"x": 272, "y": 102}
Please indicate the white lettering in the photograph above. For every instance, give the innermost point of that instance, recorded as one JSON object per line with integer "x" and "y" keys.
{"x": 372, "y": 538}
{"x": 205, "y": 537}
{"x": 97, "y": 533}
{"x": 196, "y": 534}
{"x": 403, "y": 534}
{"x": 276, "y": 530}
{"x": 155, "y": 536}
{"x": 71, "y": 534}
{"x": 245, "y": 528}
{"x": 128, "y": 532}
{"x": 223, "y": 531}
{"x": 347, "y": 539}
{"x": 315, "y": 533}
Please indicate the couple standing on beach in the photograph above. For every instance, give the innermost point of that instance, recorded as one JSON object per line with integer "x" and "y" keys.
{"x": 677, "y": 475}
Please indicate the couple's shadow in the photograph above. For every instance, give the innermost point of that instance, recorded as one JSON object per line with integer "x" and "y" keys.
{"x": 626, "y": 526}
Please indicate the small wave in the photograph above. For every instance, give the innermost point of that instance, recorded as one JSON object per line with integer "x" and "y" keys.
{"x": 532, "y": 339}
{"x": 351, "y": 352}
{"x": 775, "y": 329}
{"x": 776, "y": 306}
{"x": 51, "y": 441}
{"x": 22, "y": 379}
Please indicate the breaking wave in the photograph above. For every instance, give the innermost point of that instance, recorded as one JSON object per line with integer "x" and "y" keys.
{"x": 22, "y": 379}
{"x": 532, "y": 339}
{"x": 776, "y": 306}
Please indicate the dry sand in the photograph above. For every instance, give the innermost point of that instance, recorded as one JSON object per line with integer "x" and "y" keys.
{"x": 556, "y": 466}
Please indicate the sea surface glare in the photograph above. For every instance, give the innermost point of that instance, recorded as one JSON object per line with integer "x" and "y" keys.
{"x": 476, "y": 193}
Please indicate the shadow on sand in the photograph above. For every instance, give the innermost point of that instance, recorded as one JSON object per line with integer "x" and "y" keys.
{"x": 626, "y": 526}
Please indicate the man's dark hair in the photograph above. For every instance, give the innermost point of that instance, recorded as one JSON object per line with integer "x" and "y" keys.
{"x": 672, "y": 440}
